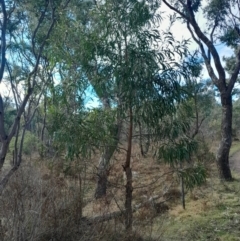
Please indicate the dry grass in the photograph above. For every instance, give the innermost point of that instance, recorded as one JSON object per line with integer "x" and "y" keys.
{"x": 211, "y": 213}
{"x": 44, "y": 203}
{"x": 235, "y": 148}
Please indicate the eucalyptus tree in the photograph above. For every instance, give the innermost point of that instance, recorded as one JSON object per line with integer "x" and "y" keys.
{"x": 121, "y": 52}
{"x": 222, "y": 28}
{"x": 25, "y": 31}
{"x": 179, "y": 132}
{"x": 132, "y": 68}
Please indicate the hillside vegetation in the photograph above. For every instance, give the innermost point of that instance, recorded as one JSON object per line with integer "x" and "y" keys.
{"x": 47, "y": 200}
{"x": 110, "y": 129}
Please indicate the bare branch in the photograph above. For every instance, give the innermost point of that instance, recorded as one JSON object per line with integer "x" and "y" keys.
{"x": 209, "y": 44}
{"x": 19, "y": 113}
{"x": 34, "y": 71}
{"x": 235, "y": 73}
{"x": 211, "y": 37}
{"x": 5, "y": 180}
{"x": 31, "y": 75}
{"x": 176, "y": 10}
{"x": 233, "y": 15}
{"x": 206, "y": 59}
{"x": 40, "y": 20}
{"x": 3, "y": 39}
{"x": 37, "y": 104}
{"x": 118, "y": 214}
{"x": 2, "y": 129}
{"x": 12, "y": 85}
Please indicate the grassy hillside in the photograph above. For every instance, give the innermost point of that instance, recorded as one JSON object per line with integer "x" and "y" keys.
{"x": 212, "y": 214}
{"x": 50, "y": 203}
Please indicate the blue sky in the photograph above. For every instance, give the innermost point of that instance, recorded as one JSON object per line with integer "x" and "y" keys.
{"x": 179, "y": 31}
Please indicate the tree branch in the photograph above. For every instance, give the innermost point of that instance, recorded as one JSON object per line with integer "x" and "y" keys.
{"x": 32, "y": 73}
{"x": 2, "y": 129}
{"x": 206, "y": 59}
{"x": 12, "y": 85}
{"x": 40, "y": 20}
{"x": 209, "y": 44}
{"x": 3, "y": 39}
{"x": 211, "y": 37}
{"x": 235, "y": 74}
{"x": 5, "y": 180}
{"x": 176, "y": 10}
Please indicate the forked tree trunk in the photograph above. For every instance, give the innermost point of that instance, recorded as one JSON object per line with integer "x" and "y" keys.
{"x": 226, "y": 141}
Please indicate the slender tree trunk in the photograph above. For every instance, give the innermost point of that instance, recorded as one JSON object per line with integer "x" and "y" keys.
{"x": 182, "y": 189}
{"x": 226, "y": 141}
{"x": 128, "y": 171}
{"x": 43, "y": 152}
{"x": 144, "y": 143}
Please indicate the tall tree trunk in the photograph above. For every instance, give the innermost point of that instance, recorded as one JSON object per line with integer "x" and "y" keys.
{"x": 182, "y": 189}
{"x": 102, "y": 173}
{"x": 128, "y": 171}
{"x": 226, "y": 141}
{"x": 43, "y": 151}
{"x": 3, "y": 137}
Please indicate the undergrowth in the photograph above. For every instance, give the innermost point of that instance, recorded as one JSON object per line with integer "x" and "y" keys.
{"x": 40, "y": 204}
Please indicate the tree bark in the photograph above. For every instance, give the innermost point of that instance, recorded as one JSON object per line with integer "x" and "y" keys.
{"x": 43, "y": 152}
{"x": 102, "y": 176}
{"x": 128, "y": 171}
{"x": 102, "y": 173}
{"x": 226, "y": 141}
{"x": 182, "y": 189}
{"x": 225, "y": 88}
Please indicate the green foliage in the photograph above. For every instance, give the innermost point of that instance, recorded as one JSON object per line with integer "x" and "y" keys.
{"x": 82, "y": 133}
{"x": 127, "y": 61}
{"x": 222, "y": 16}
{"x": 230, "y": 37}
{"x": 217, "y": 9}
{"x": 196, "y": 4}
{"x": 193, "y": 176}
{"x": 9, "y": 113}
{"x": 180, "y": 146}
{"x": 177, "y": 151}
